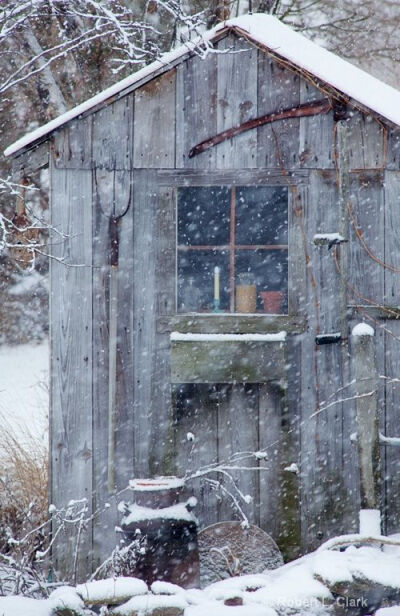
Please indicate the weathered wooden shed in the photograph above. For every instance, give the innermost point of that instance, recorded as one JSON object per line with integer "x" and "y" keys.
{"x": 152, "y": 346}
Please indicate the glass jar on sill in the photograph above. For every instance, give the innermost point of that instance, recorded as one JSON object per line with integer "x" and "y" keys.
{"x": 246, "y": 293}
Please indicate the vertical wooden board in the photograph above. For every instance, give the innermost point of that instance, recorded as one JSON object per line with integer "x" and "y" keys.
{"x": 112, "y": 197}
{"x": 279, "y": 489}
{"x": 309, "y": 478}
{"x": 338, "y": 503}
{"x": 366, "y": 141}
{"x": 113, "y": 135}
{"x": 351, "y": 479}
{"x": 392, "y": 239}
{"x": 390, "y": 455}
{"x": 237, "y": 102}
{"x": 144, "y": 311}
{"x": 316, "y": 132}
{"x": 162, "y": 445}
{"x": 124, "y": 436}
{"x": 326, "y": 483}
{"x": 238, "y": 432}
{"x": 154, "y": 123}
{"x": 366, "y": 274}
{"x": 278, "y": 89}
{"x": 73, "y": 144}
{"x": 162, "y": 452}
{"x": 310, "y": 427}
{"x": 324, "y": 201}
{"x": 71, "y": 359}
{"x": 166, "y": 252}
{"x": 392, "y": 137}
{"x": 297, "y": 272}
{"x": 384, "y": 409}
{"x": 197, "y": 415}
{"x": 270, "y": 427}
{"x": 103, "y": 534}
{"x": 288, "y": 390}
{"x": 196, "y": 114}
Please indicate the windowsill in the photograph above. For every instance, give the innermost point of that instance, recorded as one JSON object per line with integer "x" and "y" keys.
{"x": 225, "y": 323}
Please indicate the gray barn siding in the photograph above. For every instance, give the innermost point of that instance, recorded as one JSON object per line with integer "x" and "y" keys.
{"x": 391, "y": 350}
{"x": 327, "y": 482}
{"x": 196, "y": 111}
{"x": 278, "y": 89}
{"x": 134, "y": 140}
{"x": 112, "y": 194}
{"x": 71, "y": 358}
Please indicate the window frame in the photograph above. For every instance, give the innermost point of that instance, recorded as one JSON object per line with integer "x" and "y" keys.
{"x": 297, "y": 182}
{"x": 231, "y": 247}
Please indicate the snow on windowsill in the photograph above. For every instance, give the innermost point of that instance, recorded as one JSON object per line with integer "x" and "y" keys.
{"x": 191, "y": 337}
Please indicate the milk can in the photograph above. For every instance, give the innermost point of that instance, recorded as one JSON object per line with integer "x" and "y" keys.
{"x": 169, "y": 529}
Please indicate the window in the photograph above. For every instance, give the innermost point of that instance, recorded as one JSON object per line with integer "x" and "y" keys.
{"x": 232, "y": 249}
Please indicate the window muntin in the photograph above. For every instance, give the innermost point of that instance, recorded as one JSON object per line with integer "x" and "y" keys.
{"x": 243, "y": 231}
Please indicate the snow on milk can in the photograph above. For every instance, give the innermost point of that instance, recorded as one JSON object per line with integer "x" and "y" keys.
{"x": 169, "y": 529}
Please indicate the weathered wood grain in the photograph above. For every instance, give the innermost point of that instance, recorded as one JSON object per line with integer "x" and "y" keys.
{"x": 103, "y": 535}
{"x": 71, "y": 359}
{"x": 216, "y": 177}
{"x": 162, "y": 447}
{"x": 226, "y": 361}
{"x": 31, "y": 161}
{"x": 324, "y": 195}
{"x": 367, "y": 252}
{"x": 316, "y": 133}
{"x": 72, "y": 144}
{"x": 392, "y": 138}
{"x": 197, "y": 415}
{"x": 278, "y": 89}
{"x": 297, "y": 251}
{"x": 286, "y": 392}
{"x": 144, "y": 311}
{"x": 323, "y": 502}
{"x": 166, "y": 253}
{"x": 270, "y": 441}
{"x": 366, "y": 141}
{"x": 231, "y": 324}
{"x": 238, "y": 433}
{"x": 113, "y": 135}
{"x": 112, "y": 198}
{"x": 196, "y": 113}
{"x": 154, "y": 123}
{"x": 237, "y": 72}
{"x": 391, "y": 421}
{"x": 391, "y": 273}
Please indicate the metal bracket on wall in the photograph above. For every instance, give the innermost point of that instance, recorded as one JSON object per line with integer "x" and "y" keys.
{"x": 328, "y": 338}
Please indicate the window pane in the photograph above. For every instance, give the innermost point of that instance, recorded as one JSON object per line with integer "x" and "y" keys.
{"x": 203, "y": 216}
{"x": 196, "y": 279}
{"x": 268, "y": 271}
{"x": 261, "y": 215}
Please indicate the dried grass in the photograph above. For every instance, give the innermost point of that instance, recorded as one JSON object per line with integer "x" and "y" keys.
{"x": 23, "y": 490}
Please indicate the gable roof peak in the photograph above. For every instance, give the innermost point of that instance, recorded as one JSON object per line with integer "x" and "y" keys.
{"x": 271, "y": 34}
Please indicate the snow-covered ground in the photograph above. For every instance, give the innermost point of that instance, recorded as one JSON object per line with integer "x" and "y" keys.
{"x": 24, "y": 397}
{"x": 311, "y": 586}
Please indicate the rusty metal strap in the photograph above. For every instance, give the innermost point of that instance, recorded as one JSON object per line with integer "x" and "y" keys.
{"x": 302, "y": 111}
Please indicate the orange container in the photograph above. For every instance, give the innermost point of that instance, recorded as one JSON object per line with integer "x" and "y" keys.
{"x": 272, "y": 301}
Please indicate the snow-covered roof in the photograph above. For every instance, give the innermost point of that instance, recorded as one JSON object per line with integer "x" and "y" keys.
{"x": 268, "y": 32}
